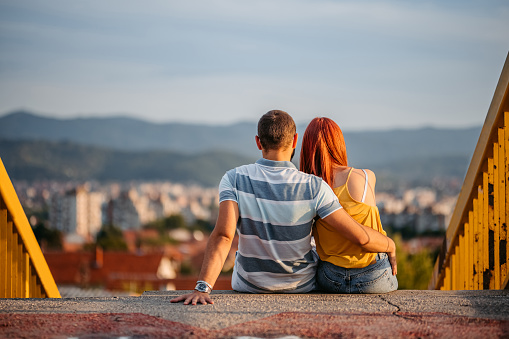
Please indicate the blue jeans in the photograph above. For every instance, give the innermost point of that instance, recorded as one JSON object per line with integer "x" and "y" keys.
{"x": 375, "y": 278}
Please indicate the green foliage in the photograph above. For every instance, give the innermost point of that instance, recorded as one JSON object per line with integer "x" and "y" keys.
{"x": 414, "y": 270}
{"x": 48, "y": 238}
{"x": 409, "y": 231}
{"x": 176, "y": 221}
{"x": 202, "y": 225}
{"x": 41, "y": 214}
{"x": 157, "y": 242}
{"x": 187, "y": 268}
{"x": 111, "y": 238}
{"x": 172, "y": 222}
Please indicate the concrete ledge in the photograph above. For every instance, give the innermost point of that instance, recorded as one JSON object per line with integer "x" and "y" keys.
{"x": 481, "y": 304}
{"x": 266, "y": 314}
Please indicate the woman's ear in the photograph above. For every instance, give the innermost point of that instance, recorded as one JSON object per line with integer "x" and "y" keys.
{"x": 295, "y": 137}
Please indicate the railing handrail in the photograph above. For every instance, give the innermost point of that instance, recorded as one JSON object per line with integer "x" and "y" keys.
{"x": 26, "y": 233}
{"x": 489, "y": 132}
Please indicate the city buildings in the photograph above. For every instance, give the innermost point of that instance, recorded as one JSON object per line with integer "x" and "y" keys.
{"x": 79, "y": 210}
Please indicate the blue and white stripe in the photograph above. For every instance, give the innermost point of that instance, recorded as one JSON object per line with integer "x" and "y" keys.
{"x": 277, "y": 204}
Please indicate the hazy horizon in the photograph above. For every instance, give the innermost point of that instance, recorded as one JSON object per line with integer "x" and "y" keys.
{"x": 300, "y": 124}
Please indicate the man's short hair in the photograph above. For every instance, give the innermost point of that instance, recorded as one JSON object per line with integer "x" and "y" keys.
{"x": 276, "y": 130}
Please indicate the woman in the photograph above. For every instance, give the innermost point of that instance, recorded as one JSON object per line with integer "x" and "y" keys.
{"x": 343, "y": 266}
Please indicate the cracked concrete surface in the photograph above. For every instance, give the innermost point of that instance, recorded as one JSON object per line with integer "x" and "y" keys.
{"x": 231, "y": 308}
{"x": 390, "y": 303}
{"x": 412, "y": 311}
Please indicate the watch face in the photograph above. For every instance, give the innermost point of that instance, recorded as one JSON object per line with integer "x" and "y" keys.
{"x": 202, "y": 287}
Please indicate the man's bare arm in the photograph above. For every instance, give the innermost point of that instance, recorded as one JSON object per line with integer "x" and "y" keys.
{"x": 218, "y": 246}
{"x": 367, "y": 238}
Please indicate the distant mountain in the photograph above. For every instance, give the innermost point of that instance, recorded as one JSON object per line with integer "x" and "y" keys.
{"x": 136, "y": 135}
{"x": 408, "y": 154}
{"x": 66, "y": 161}
{"x": 128, "y": 134}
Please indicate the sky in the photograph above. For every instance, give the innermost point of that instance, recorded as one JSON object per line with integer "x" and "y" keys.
{"x": 365, "y": 64}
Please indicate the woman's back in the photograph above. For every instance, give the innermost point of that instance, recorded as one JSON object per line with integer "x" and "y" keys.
{"x": 355, "y": 191}
{"x": 356, "y": 179}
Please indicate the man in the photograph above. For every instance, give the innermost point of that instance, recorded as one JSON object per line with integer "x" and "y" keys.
{"x": 272, "y": 206}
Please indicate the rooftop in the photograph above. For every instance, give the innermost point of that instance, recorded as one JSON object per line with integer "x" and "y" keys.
{"x": 400, "y": 314}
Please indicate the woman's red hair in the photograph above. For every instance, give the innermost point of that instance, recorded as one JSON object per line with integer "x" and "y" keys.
{"x": 323, "y": 146}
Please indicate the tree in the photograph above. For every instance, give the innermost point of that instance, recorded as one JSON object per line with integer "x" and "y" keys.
{"x": 48, "y": 238}
{"x": 202, "y": 225}
{"x": 111, "y": 238}
{"x": 414, "y": 270}
{"x": 172, "y": 222}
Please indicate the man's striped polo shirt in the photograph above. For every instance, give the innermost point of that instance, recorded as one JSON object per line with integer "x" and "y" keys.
{"x": 277, "y": 204}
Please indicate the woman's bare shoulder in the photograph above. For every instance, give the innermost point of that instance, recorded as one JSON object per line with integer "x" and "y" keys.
{"x": 358, "y": 179}
{"x": 359, "y": 174}
{"x": 371, "y": 177}
{"x": 356, "y": 184}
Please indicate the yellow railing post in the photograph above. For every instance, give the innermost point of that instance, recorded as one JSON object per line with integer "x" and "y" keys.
{"x": 459, "y": 255}
{"x": 478, "y": 240}
{"x": 504, "y": 234}
{"x": 495, "y": 225}
{"x": 485, "y": 228}
{"x": 501, "y": 196}
{"x": 3, "y": 252}
{"x": 469, "y": 281}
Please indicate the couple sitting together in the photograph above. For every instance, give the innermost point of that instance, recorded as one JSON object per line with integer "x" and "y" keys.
{"x": 277, "y": 210}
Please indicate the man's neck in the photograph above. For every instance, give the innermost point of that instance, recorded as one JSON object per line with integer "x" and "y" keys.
{"x": 277, "y": 155}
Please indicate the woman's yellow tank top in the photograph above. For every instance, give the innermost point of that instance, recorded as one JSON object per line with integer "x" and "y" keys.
{"x": 332, "y": 246}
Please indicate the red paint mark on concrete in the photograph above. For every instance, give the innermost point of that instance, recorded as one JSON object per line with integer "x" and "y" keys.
{"x": 306, "y": 325}
{"x": 402, "y": 325}
{"x": 92, "y": 325}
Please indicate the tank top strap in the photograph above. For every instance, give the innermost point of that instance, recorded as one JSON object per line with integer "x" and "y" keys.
{"x": 348, "y": 176}
{"x": 365, "y": 186}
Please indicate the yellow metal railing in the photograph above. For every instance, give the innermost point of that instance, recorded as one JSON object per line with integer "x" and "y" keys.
{"x": 475, "y": 253}
{"x": 24, "y": 272}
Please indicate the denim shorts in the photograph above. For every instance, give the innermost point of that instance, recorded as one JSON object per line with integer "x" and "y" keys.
{"x": 375, "y": 278}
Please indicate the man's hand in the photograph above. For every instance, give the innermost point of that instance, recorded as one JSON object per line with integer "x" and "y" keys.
{"x": 392, "y": 257}
{"x": 194, "y": 298}
{"x": 218, "y": 246}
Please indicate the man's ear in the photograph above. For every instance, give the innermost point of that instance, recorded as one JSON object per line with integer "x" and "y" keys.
{"x": 258, "y": 143}
{"x": 295, "y": 137}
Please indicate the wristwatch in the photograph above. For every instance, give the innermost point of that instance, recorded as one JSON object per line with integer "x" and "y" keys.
{"x": 203, "y": 286}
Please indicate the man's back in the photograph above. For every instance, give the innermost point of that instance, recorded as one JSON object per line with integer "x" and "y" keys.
{"x": 277, "y": 204}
